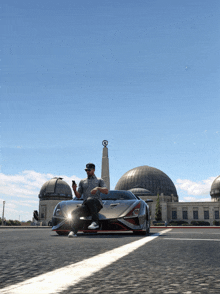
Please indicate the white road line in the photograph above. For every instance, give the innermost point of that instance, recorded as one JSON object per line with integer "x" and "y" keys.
{"x": 191, "y": 239}
{"x": 200, "y": 233}
{"x": 60, "y": 279}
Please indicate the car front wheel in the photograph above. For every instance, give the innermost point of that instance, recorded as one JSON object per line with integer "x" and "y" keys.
{"x": 146, "y": 231}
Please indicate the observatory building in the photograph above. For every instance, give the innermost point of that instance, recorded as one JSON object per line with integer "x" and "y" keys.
{"x": 51, "y": 193}
{"x": 148, "y": 182}
{"x": 145, "y": 182}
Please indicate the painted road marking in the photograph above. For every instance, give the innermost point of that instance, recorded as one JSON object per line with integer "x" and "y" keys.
{"x": 60, "y": 279}
{"x": 200, "y": 233}
{"x": 191, "y": 239}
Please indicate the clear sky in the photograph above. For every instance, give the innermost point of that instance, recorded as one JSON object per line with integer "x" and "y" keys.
{"x": 142, "y": 74}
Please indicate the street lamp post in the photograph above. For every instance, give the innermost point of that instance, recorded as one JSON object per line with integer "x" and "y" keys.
{"x": 3, "y": 213}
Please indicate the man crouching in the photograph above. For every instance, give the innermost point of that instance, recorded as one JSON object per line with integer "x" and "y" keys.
{"x": 90, "y": 188}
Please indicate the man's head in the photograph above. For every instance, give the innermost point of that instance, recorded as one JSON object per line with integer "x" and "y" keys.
{"x": 90, "y": 169}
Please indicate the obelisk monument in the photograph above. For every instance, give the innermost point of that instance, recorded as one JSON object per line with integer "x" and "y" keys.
{"x": 105, "y": 164}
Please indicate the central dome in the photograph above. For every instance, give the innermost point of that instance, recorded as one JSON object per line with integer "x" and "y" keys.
{"x": 149, "y": 178}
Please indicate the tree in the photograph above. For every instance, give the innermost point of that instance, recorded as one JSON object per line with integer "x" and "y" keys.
{"x": 158, "y": 214}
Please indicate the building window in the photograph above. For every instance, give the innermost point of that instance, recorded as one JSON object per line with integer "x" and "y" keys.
{"x": 185, "y": 214}
{"x": 195, "y": 214}
{"x": 206, "y": 214}
{"x": 216, "y": 214}
{"x": 174, "y": 214}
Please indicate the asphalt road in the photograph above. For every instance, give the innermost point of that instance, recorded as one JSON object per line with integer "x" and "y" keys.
{"x": 180, "y": 261}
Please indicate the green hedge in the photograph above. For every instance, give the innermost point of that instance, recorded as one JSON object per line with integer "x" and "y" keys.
{"x": 178, "y": 223}
{"x": 216, "y": 223}
{"x": 158, "y": 224}
{"x": 184, "y": 223}
{"x": 200, "y": 223}
{"x": 12, "y": 223}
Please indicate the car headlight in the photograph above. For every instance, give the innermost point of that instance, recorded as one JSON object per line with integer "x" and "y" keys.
{"x": 58, "y": 212}
{"x": 136, "y": 211}
{"x": 69, "y": 216}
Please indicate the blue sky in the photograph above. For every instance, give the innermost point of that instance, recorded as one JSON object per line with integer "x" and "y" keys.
{"x": 142, "y": 74}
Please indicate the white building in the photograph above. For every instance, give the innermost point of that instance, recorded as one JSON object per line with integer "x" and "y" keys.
{"x": 51, "y": 193}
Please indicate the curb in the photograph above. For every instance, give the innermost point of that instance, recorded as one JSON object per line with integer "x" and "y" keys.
{"x": 24, "y": 227}
{"x": 185, "y": 227}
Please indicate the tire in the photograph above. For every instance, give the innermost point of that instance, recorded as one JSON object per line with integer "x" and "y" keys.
{"x": 147, "y": 228}
{"x": 62, "y": 233}
{"x": 145, "y": 232}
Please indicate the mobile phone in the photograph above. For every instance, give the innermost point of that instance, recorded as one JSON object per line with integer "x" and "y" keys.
{"x": 73, "y": 182}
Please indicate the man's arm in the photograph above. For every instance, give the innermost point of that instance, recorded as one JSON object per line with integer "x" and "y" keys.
{"x": 77, "y": 194}
{"x": 103, "y": 190}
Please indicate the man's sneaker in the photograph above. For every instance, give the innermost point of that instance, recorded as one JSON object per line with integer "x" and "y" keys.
{"x": 93, "y": 226}
{"x": 72, "y": 235}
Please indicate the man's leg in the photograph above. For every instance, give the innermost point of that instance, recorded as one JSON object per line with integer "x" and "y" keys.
{"x": 76, "y": 214}
{"x": 94, "y": 207}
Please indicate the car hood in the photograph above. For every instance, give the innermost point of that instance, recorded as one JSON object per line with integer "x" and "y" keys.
{"x": 111, "y": 208}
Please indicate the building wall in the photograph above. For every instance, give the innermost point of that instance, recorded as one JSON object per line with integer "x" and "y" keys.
{"x": 206, "y": 211}
{"x": 46, "y": 208}
{"x": 170, "y": 207}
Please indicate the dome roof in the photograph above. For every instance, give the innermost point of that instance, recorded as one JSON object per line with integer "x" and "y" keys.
{"x": 215, "y": 188}
{"x": 55, "y": 189}
{"x": 146, "y": 177}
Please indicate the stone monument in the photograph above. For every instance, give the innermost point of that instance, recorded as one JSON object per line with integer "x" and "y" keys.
{"x": 105, "y": 164}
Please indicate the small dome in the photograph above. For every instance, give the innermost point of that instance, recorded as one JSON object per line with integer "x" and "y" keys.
{"x": 55, "y": 189}
{"x": 140, "y": 192}
{"x": 215, "y": 188}
{"x": 149, "y": 178}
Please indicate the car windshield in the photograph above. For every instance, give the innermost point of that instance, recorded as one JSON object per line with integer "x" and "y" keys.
{"x": 118, "y": 195}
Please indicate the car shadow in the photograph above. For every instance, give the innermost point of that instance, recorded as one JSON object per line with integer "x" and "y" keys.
{"x": 104, "y": 235}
